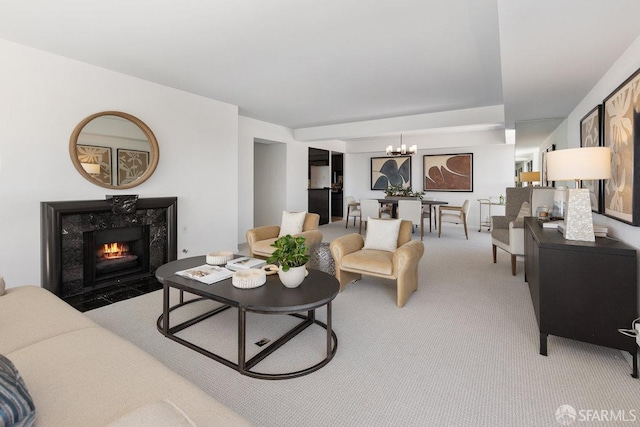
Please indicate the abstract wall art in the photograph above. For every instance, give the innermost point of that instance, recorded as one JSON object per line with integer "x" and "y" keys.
{"x": 132, "y": 164}
{"x": 448, "y": 172}
{"x": 621, "y": 112}
{"x": 590, "y": 136}
{"x": 97, "y": 155}
{"x": 390, "y": 171}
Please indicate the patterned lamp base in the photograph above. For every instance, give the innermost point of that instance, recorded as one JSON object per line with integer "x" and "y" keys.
{"x": 579, "y": 220}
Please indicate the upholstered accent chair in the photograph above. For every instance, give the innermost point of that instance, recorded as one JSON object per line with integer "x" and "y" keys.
{"x": 507, "y": 231}
{"x": 352, "y": 260}
{"x": 261, "y": 238}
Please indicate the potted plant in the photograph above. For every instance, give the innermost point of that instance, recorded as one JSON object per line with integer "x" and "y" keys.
{"x": 398, "y": 191}
{"x": 292, "y": 255}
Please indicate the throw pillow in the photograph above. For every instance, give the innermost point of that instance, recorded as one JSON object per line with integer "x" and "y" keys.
{"x": 2, "y": 286}
{"x": 292, "y": 223}
{"x": 16, "y": 405}
{"x": 525, "y": 210}
{"x": 382, "y": 234}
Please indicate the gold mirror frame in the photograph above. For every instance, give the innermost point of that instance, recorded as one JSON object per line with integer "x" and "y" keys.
{"x": 151, "y": 139}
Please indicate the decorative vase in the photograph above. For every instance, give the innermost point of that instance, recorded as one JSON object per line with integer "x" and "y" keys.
{"x": 294, "y": 277}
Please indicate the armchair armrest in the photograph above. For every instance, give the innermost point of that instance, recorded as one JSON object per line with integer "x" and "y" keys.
{"x": 262, "y": 233}
{"x": 312, "y": 237}
{"x": 407, "y": 256}
{"x": 516, "y": 238}
{"x": 345, "y": 245}
{"x": 499, "y": 221}
{"x": 451, "y": 208}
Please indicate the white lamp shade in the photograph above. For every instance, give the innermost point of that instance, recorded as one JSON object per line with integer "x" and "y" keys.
{"x": 579, "y": 164}
{"x": 91, "y": 168}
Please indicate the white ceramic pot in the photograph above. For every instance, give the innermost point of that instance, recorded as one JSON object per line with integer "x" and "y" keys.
{"x": 294, "y": 277}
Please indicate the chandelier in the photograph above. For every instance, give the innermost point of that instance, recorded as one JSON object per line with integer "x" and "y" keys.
{"x": 402, "y": 150}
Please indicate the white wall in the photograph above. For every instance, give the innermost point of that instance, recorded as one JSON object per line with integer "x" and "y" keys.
{"x": 492, "y": 162}
{"x": 44, "y": 97}
{"x": 626, "y": 65}
{"x": 297, "y": 161}
{"x": 270, "y": 173}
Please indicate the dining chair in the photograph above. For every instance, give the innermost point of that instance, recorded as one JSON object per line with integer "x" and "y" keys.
{"x": 353, "y": 210}
{"x": 427, "y": 212}
{"x": 455, "y": 215}
{"x": 370, "y": 208}
{"x": 411, "y": 210}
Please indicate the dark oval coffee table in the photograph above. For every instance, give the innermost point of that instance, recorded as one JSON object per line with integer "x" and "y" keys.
{"x": 273, "y": 297}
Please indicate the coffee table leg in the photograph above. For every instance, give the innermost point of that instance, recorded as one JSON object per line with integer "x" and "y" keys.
{"x": 242, "y": 330}
{"x": 328, "y": 328}
{"x": 165, "y": 303}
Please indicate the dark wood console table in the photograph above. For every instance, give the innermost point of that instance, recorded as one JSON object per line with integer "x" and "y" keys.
{"x": 584, "y": 291}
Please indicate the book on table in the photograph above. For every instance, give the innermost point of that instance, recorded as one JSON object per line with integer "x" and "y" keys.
{"x": 206, "y": 273}
{"x": 245, "y": 263}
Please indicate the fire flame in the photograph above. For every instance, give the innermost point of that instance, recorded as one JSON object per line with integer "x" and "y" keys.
{"x": 114, "y": 250}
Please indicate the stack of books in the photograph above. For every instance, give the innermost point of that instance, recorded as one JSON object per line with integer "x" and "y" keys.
{"x": 206, "y": 273}
{"x": 598, "y": 230}
{"x": 245, "y": 263}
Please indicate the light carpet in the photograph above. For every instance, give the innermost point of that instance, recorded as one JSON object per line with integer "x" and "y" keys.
{"x": 462, "y": 352}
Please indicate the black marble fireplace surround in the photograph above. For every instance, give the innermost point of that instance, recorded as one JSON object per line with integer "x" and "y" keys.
{"x": 65, "y": 225}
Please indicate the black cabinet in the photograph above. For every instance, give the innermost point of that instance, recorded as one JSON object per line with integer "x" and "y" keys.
{"x": 584, "y": 291}
{"x": 319, "y": 203}
{"x": 336, "y": 204}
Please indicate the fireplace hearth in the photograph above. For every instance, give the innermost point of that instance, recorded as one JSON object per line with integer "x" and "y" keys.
{"x": 89, "y": 245}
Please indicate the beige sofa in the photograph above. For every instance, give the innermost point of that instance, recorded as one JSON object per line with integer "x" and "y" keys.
{"x": 80, "y": 374}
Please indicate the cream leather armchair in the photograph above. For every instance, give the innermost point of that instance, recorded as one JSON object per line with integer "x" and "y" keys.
{"x": 261, "y": 238}
{"x": 352, "y": 261}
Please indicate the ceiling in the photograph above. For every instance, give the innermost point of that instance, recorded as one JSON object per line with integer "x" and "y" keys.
{"x": 309, "y": 63}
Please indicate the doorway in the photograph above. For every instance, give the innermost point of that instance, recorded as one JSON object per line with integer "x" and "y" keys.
{"x": 269, "y": 172}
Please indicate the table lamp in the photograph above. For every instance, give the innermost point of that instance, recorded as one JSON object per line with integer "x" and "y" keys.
{"x": 576, "y": 164}
{"x": 530, "y": 177}
{"x": 92, "y": 169}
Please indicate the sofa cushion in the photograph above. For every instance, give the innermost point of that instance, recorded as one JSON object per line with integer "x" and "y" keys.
{"x": 292, "y": 223}
{"x": 16, "y": 405}
{"x": 91, "y": 377}
{"x": 263, "y": 247}
{"x": 158, "y": 414}
{"x": 382, "y": 234}
{"x": 369, "y": 261}
{"x": 29, "y": 314}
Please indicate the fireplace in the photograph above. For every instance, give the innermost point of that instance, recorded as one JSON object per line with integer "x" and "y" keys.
{"x": 93, "y": 244}
{"x": 115, "y": 254}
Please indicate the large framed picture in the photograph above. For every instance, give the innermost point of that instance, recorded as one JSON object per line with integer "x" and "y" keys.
{"x": 590, "y": 136}
{"x": 91, "y": 154}
{"x": 132, "y": 164}
{"x": 620, "y": 121}
{"x": 448, "y": 172}
{"x": 390, "y": 171}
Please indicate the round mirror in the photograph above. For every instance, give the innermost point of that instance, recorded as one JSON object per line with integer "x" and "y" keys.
{"x": 114, "y": 150}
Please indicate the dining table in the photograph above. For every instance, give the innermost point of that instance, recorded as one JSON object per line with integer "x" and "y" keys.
{"x": 431, "y": 203}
